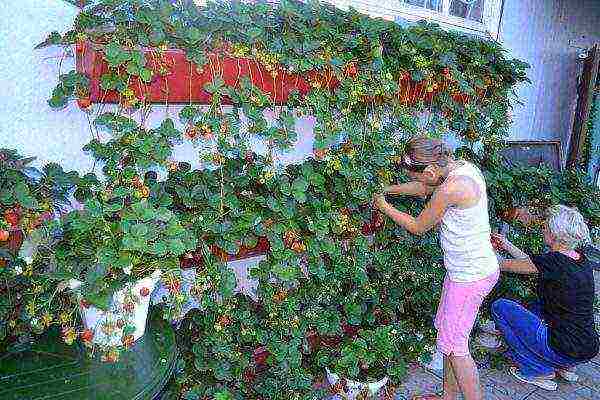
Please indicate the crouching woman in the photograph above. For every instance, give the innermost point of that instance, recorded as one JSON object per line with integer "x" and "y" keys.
{"x": 558, "y": 331}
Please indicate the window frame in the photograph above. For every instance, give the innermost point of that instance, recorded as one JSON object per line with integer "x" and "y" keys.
{"x": 490, "y": 25}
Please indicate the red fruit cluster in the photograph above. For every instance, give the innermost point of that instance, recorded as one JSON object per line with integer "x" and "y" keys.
{"x": 260, "y": 355}
{"x": 84, "y": 103}
{"x": 191, "y": 132}
{"x": 80, "y": 47}
{"x": 351, "y": 69}
{"x": 350, "y": 330}
{"x": 87, "y": 336}
{"x": 13, "y": 215}
{"x": 144, "y": 292}
{"x": 320, "y": 154}
{"x": 376, "y": 222}
{"x": 404, "y": 76}
{"x": 174, "y": 286}
{"x": 249, "y": 375}
{"x": 224, "y": 320}
{"x": 495, "y": 243}
{"x": 128, "y": 307}
{"x": 127, "y": 341}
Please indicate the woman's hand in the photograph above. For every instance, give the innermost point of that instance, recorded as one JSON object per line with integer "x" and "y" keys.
{"x": 499, "y": 242}
{"x": 379, "y": 201}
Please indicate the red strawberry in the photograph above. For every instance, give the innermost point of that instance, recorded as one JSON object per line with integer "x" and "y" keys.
{"x": 367, "y": 229}
{"x": 84, "y": 103}
{"x": 144, "y": 292}
{"x": 351, "y": 69}
{"x": 80, "y": 47}
{"x": 128, "y": 307}
{"x": 15, "y": 240}
{"x": 350, "y": 330}
{"x": 87, "y": 335}
{"x": 260, "y": 355}
{"x": 320, "y": 154}
{"x": 249, "y": 375}
{"x": 174, "y": 286}
{"x": 12, "y": 216}
{"x": 127, "y": 341}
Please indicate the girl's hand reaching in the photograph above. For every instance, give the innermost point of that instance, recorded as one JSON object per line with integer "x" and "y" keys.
{"x": 379, "y": 201}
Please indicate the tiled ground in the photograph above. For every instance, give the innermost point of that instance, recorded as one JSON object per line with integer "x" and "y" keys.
{"x": 499, "y": 385}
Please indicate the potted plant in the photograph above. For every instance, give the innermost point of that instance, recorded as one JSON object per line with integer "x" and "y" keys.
{"x": 28, "y": 198}
{"x": 113, "y": 254}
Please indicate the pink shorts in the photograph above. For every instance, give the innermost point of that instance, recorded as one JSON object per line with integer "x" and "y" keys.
{"x": 456, "y": 313}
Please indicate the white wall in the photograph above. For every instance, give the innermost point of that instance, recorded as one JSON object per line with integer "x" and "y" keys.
{"x": 28, "y": 76}
{"x": 538, "y": 32}
{"x": 544, "y": 33}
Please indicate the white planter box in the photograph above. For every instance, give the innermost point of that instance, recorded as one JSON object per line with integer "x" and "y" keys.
{"x": 129, "y": 307}
{"x": 354, "y": 388}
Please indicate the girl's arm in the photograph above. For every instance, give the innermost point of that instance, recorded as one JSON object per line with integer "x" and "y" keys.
{"x": 410, "y": 189}
{"x": 429, "y": 217}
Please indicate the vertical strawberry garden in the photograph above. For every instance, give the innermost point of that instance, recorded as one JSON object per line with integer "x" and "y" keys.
{"x": 340, "y": 287}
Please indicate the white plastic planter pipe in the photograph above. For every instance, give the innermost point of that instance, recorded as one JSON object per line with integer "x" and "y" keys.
{"x": 129, "y": 307}
{"x": 354, "y": 388}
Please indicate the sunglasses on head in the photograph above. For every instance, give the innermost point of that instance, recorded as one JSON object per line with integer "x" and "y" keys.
{"x": 409, "y": 165}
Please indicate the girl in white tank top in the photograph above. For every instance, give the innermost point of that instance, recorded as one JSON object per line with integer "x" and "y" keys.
{"x": 465, "y": 234}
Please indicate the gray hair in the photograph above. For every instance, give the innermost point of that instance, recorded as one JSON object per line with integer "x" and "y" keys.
{"x": 568, "y": 226}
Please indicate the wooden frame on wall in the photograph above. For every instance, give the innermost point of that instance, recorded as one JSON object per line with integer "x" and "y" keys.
{"x": 535, "y": 152}
{"x": 585, "y": 93}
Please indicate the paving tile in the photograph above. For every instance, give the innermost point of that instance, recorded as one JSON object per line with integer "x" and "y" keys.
{"x": 589, "y": 375}
{"x": 566, "y": 392}
{"x": 497, "y": 385}
{"x": 419, "y": 382}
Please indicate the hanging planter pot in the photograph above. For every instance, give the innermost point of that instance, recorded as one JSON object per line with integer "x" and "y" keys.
{"x": 195, "y": 259}
{"x": 262, "y": 248}
{"x": 125, "y": 320}
{"x": 352, "y": 389}
{"x": 177, "y": 80}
